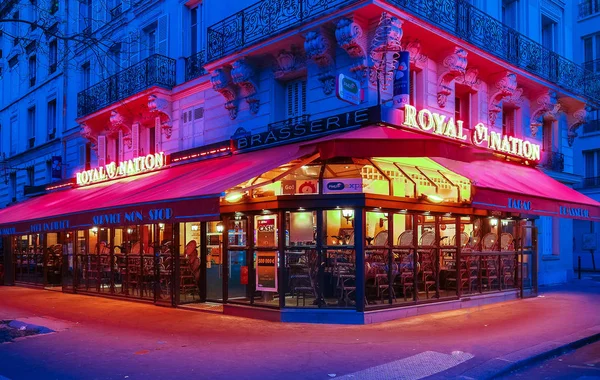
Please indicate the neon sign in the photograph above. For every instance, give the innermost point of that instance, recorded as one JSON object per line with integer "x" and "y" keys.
{"x": 481, "y": 136}
{"x": 127, "y": 168}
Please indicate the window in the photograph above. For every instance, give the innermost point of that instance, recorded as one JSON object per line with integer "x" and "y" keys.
{"x": 51, "y": 116}
{"x": 53, "y": 6}
{"x": 30, "y": 176}
{"x": 547, "y": 140}
{"x": 194, "y": 29}
{"x": 12, "y": 62}
{"x": 114, "y": 59}
{"x": 588, "y": 7}
{"x": 295, "y": 93}
{"x": 193, "y": 127}
{"x": 85, "y": 16}
{"x": 150, "y": 39}
{"x": 32, "y": 70}
{"x": 591, "y": 170}
{"x": 52, "y": 55}
{"x": 84, "y": 156}
{"x": 591, "y": 51}
{"x": 462, "y": 105}
{"x": 13, "y": 134}
{"x": 508, "y": 120}
{"x": 34, "y": 14}
{"x": 31, "y": 127}
{"x": 549, "y": 33}
{"x": 593, "y": 124}
{"x": 509, "y": 13}
{"x": 13, "y": 186}
{"x": 86, "y": 75}
{"x": 15, "y": 29}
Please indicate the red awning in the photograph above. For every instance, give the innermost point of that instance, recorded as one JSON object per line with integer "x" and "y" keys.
{"x": 516, "y": 188}
{"x": 377, "y": 141}
{"x": 191, "y": 191}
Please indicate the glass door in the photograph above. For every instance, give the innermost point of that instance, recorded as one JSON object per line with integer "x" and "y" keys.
{"x": 214, "y": 261}
{"x": 68, "y": 261}
{"x": 527, "y": 259}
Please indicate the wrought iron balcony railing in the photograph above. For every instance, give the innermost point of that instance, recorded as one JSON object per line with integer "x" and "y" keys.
{"x": 591, "y": 126}
{"x": 593, "y": 65}
{"x": 268, "y": 18}
{"x": 590, "y": 182}
{"x": 588, "y": 7}
{"x": 156, "y": 70}
{"x": 194, "y": 65}
{"x": 554, "y": 161}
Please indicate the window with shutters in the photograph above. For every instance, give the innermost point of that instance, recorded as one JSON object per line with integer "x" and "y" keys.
{"x": 508, "y": 120}
{"x": 155, "y": 39}
{"x": 31, "y": 127}
{"x": 101, "y": 150}
{"x": 192, "y": 133}
{"x": 295, "y": 93}
{"x": 84, "y": 156}
{"x": 462, "y": 104}
{"x": 135, "y": 139}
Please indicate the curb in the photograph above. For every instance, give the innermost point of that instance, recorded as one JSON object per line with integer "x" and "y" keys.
{"x": 503, "y": 365}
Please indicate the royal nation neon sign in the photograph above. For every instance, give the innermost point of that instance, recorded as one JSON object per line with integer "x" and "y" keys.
{"x": 481, "y": 136}
{"x": 127, "y": 168}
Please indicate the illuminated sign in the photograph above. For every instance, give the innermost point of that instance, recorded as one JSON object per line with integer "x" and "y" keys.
{"x": 132, "y": 217}
{"x": 438, "y": 124}
{"x": 348, "y": 89}
{"x": 127, "y": 168}
{"x": 49, "y": 226}
{"x": 519, "y": 204}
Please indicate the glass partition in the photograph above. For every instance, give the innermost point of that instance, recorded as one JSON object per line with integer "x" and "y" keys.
{"x": 53, "y": 260}
{"x": 339, "y": 270}
{"x": 301, "y": 272}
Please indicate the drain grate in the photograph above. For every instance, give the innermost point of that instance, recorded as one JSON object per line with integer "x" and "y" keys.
{"x": 13, "y": 329}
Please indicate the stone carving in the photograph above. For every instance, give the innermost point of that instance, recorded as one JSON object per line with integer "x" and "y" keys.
{"x": 161, "y": 107}
{"x": 455, "y": 65}
{"x": 349, "y": 36}
{"x": 289, "y": 64}
{"x": 384, "y": 50}
{"x": 580, "y": 117}
{"x": 222, "y": 83}
{"x": 414, "y": 49}
{"x": 470, "y": 78}
{"x": 319, "y": 48}
{"x": 548, "y": 106}
{"x": 117, "y": 122}
{"x": 506, "y": 87}
{"x": 243, "y": 75}
{"x": 87, "y": 133}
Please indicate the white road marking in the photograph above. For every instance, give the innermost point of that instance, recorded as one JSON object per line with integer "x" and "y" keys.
{"x": 413, "y": 367}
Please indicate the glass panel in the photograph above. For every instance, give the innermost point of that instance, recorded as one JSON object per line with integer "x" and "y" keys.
{"x": 266, "y": 263}
{"x": 214, "y": 262}
{"x": 68, "y": 258}
{"x": 163, "y": 260}
{"x": 237, "y": 284}
{"x": 404, "y": 258}
{"x": 339, "y": 286}
{"x": 53, "y": 260}
{"x": 120, "y": 260}
{"x": 301, "y": 259}
{"x": 379, "y": 277}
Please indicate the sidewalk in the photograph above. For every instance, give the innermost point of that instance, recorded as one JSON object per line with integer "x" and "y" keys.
{"x": 109, "y": 339}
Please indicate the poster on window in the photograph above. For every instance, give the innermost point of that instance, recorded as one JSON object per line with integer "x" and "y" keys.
{"x": 265, "y": 231}
{"x": 266, "y": 271}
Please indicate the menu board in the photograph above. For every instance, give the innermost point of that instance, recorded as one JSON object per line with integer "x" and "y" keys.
{"x": 266, "y": 271}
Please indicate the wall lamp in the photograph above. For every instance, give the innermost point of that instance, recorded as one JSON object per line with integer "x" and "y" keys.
{"x": 348, "y": 214}
{"x": 95, "y": 230}
{"x": 220, "y": 227}
{"x": 433, "y": 198}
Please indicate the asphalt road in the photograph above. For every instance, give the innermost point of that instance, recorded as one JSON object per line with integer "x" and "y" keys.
{"x": 583, "y": 363}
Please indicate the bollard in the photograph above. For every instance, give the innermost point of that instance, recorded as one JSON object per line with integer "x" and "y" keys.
{"x": 579, "y": 267}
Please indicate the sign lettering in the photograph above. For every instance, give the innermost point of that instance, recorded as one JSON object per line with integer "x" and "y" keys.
{"x": 348, "y": 89}
{"x": 519, "y": 204}
{"x": 574, "y": 211}
{"x": 133, "y": 217}
{"x": 49, "y": 226}
{"x": 127, "y": 168}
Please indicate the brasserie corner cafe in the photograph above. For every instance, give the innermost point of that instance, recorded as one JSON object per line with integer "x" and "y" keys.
{"x": 350, "y": 218}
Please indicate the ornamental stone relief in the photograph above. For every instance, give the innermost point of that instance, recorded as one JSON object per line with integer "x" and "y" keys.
{"x": 384, "y": 50}
{"x": 289, "y": 64}
{"x": 223, "y": 84}
{"x": 455, "y": 65}
{"x": 413, "y": 47}
{"x": 319, "y": 48}
{"x": 243, "y": 75}
{"x": 161, "y": 108}
{"x": 580, "y": 117}
{"x": 506, "y": 88}
{"x": 547, "y": 106}
{"x": 350, "y": 37}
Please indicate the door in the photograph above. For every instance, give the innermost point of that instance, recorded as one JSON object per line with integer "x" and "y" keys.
{"x": 68, "y": 261}
{"x": 528, "y": 259}
{"x": 214, "y": 261}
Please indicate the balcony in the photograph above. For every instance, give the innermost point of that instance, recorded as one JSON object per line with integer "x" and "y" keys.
{"x": 194, "y": 65}
{"x": 554, "y": 161}
{"x": 593, "y": 66}
{"x": 156, "y": 70}
{"x": 262, "y": 21}
{"x": 588, "y": 8}
{"x": 590, "y": 182}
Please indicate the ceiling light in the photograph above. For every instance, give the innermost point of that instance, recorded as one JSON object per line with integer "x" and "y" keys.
{"x": 234, "y": 196}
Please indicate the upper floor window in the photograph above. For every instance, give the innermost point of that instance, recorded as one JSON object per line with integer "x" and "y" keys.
{"x": 150, "y": 40}
{"x": 13, "y": 186}
{"x": 192, "y": 122}
{"x": 86, "y": 74}
{"x": 549, "y": 33}
{"x": 588, "y": 7}
{"x": 592, "y": 163}
{"x": 547, "y": 135}
{"x": 509, "y": 13}
{"x": 114, "y": 59}
{"x": 30, "y": 176}
{"x": 14, "y": 128}
{"x": 462, "y": 105}
{"x": 593, "y": 124}
{"x": 295, "y": 95}
{"x": 508, "y": 120}
{"x": 31, "y": 127}
{"x": 34, "y": 14}
{"x": 53, "y": 6}
{"x": 32, "y": 70}
{"x": 591, "y": 52}
{"x": 52, "y": 55}
{"x": 51, "y": 119}
{"x": 15, "y": 29}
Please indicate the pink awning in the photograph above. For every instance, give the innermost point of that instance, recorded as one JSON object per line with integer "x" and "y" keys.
{"x": 191, "y": 191}
{"x": 517, "y": 188}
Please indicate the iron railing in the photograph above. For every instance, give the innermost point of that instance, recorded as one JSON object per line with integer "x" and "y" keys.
{"x": 194, "y": 65}
{"x": 156, "y": 70}
{"x": 554, "y": 161}
{"x": 591, "y": 182}
{"x": 592, "y": 65}
{"x": 268, "y": 18}
{"x": 588, "y": 7}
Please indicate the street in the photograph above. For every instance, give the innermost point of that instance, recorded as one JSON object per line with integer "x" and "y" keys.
{"x": 99, "y": 338}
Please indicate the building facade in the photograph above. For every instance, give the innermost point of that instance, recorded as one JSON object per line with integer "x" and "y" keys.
{"x": 259, "y": 115}
{"x": 586, "y": 40}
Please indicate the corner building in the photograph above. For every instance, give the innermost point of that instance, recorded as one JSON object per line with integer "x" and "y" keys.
{"x": 298, "y": 185}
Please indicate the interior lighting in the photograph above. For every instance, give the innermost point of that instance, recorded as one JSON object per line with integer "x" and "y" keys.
{"x": 493, "y": 222}
{"x": 195, "y": 227}
{"x": 129, "y": 230}
{"x": 220, "y": 227}
{"x": 348, "y": 214}
{"x": 434, "y": 198}
{"x": 234, "y": 196}
{"x": 95, "y": 230}
{"x": 161, "y": 226}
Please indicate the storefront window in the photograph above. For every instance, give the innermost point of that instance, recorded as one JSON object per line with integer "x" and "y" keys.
{"x": 339, "y": 282}
{"x": 214, "y": 260}
{"x": 266, "y": 261}
{"x": 53, "y": 259}
{"x": 301, "y": 259}
{"x": 379, "y": 276}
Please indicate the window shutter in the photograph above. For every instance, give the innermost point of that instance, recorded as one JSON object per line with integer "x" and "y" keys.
{"x": 296, "y": 99}
{"x": 163, "y": 35}
{"x": 157, "y": 135}
{"x": 135, "y": 139}
{"x": 186, "y": 129}
{"x": 303, "y": 97}
{"x": 198, "y": 126}
{"x": 290, "y": 100}
{"x": 101, "y": 150}
{"x": 120, "y": 142}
